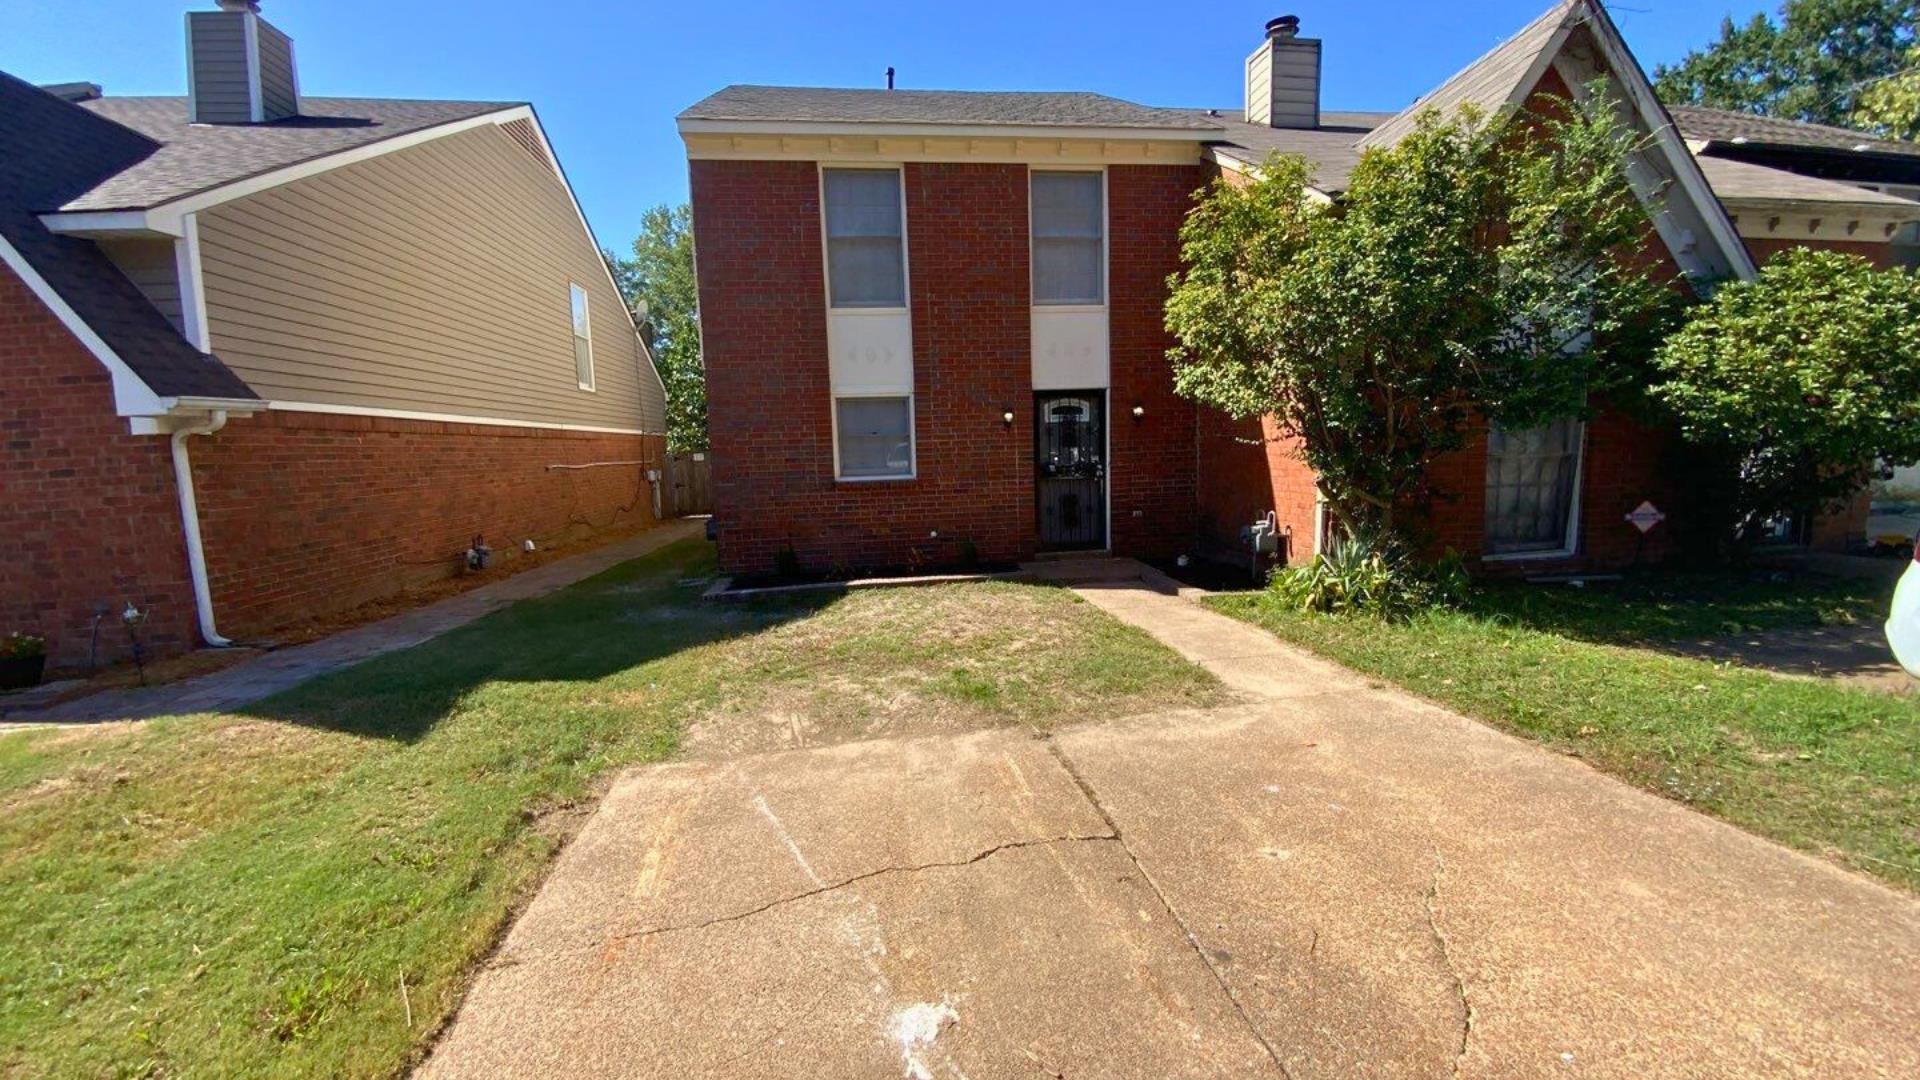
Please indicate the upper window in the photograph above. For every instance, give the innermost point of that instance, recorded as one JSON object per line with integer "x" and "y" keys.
{"x": 1069, "y": 238}
{"x": 1533, "y": 477}
{"x": 866, "y": 248}
{"x": 582, "y": 338}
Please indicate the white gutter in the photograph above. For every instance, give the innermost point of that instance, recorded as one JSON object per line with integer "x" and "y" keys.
{"x": 190, "y": 525}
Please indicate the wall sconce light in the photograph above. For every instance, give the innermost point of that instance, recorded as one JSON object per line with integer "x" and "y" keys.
{"x": 1139, "y": 411}
{"x": 1007, "y": 418}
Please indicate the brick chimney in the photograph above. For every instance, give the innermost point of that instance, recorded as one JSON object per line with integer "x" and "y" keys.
{"x": 1283, "y": 78}
{"x": 239, "y": 68}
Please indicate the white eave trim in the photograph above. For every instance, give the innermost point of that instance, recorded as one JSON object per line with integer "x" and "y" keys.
{"x": 167, "y": 218}
{"x": 1666, "y": 134}
{"x": 438, "y": 417}
{"x": 954, "y": 131}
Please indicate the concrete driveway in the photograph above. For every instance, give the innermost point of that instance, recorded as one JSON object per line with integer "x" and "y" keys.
{"x": 1331, "y": 879}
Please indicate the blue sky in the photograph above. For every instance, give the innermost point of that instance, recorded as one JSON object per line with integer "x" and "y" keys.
{"x": 607, "y": 78}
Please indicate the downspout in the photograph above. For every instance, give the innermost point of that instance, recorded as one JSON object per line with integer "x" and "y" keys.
{"x": 190, "y": 525}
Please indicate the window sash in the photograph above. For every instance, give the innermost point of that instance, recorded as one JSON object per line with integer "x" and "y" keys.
{"x": 875, "y": 436}
{"x": 1068, "y": 214}
{"x": 1532, "y": 481}
{"x": 865, "y": 226}
{"x": 582, "y": 337}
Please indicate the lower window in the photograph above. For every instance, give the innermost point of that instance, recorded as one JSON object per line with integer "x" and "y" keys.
{"x": 1533, "y": 483}
{"x": 876, "y": 437}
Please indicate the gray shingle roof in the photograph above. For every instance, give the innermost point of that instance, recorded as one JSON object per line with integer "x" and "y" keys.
{"x": 191, "y": 158}
{"x": 1330, "y": 148}
{"x": 1489, "y": 82}
{"x": 1720, "y": 125}
{"x": 51, "y": 151}
{"x": 1740, "y": 181}
{"x": 971, "y": 108}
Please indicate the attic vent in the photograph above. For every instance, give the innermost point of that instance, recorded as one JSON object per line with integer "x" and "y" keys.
{"x": 73, "y": 91}
{"x": 239, "y": 67}
{"x": 529, "y": 140}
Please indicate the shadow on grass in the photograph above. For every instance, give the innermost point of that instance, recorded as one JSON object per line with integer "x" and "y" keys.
{"x": 626, "y": 617}
{"x": 1656, "y": 608}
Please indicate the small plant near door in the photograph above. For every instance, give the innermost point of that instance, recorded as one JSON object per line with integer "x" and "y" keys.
{"x": 23, "y": 659}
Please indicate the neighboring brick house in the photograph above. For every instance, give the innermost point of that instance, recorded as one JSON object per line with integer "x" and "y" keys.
{"x": 932, "y": 320}
{"x": 265, "y": 357}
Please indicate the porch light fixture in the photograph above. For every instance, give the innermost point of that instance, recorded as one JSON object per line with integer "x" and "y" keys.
{"x": 1007, "y": 418}
{"x": 1139, "y": 411}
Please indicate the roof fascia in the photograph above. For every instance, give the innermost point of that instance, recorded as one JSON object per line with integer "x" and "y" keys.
{"x": 1666, "y": 135}
{"x": 868, "y": 129}
{"x": 167, "y": 218}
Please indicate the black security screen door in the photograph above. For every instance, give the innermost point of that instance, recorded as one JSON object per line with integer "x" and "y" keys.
{"x": 1070, "y": 453}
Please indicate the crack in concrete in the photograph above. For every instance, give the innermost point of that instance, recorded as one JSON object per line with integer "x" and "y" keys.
{"x": 1193, "y": 942}
{"x": 718, "y": 920}
{"x": 1467, "y": 1016}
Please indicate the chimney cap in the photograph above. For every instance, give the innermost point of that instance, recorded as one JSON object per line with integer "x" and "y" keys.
{"x": 1285, "y": 26}
{"x": 244, "y": 6}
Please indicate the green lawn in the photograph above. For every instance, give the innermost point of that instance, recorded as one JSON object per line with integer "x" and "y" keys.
{"x": 303, "y": 889}
{"x": 1831, "y": 770}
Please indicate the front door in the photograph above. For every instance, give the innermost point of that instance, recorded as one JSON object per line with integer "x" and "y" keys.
{"x": 1070, "y": 455}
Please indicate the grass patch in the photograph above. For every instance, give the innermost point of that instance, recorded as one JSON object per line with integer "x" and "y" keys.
{"x": 1818, "y": 766}
{"x": 249, "y": 894}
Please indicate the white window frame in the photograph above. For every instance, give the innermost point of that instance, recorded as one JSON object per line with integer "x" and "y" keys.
{"x": 1106, "y": 241}
{"x": 826, "y": 239}
{"x": 574, "y": 288}
{"x": 1572, "y": 545}
{"x": 913, "y": 437}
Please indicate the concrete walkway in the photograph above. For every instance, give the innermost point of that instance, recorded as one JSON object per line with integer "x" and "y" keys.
{"x": 247, "y": 682}
{"x": 1329, "y": 879}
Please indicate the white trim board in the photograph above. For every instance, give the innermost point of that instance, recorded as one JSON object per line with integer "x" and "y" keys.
{"x": 869, "y": 129}
{"x": 442, "y": 418}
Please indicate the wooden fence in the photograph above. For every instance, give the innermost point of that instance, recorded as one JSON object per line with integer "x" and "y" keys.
{"x": 690, "y": 484}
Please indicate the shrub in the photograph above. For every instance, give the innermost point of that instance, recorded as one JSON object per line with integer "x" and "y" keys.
{"x": 19, "y": 646}
{"x": 1799, "y": 381}
{"x": 1369, "y": 575}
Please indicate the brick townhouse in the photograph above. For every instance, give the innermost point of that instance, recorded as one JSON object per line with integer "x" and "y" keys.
{"x": 932, "y": 320}
{"x": 266, "y": 356}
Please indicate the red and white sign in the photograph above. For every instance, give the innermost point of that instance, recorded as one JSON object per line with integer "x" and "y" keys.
{"x": 1645, "y": 517}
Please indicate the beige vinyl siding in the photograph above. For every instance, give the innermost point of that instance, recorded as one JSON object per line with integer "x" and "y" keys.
{"x": 150, "y": 265}
{"x": 222, "y": 87}
{"x": 278, "y": 96}
{"x": 431, "y": 279}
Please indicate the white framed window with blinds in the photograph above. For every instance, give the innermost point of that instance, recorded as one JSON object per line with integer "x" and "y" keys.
{"x": 866, "y": 237}
{"x": 873, "y": 437}
{"x": 1533, "y": 490}
{"x": 1068, "y": 215}
{"x": 582, "y": 336}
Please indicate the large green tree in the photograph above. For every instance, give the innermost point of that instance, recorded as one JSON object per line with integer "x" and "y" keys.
{"x": 1814, "y": 63}
{"x": 1481, "y": 269}
{"x": 1799, "y": 381}
{"x": 659, "y": 285}
{"x": 1891, "y": 106}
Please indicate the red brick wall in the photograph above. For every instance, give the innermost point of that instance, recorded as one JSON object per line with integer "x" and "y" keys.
{"x": 1247, "y": 468}
{"x": 309, "y": 514}
{"x": 1154, "y": 458}
{"x": 757, "y": 226}
{"x": 757, "y": 231}
{"x": 302, "y": 514}
{"x": 88, "y": 515}
{"x": 1878, "y": 253}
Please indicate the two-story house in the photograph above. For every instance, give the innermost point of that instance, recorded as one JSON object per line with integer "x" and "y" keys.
{"x": 265, "y": 356}
{"x": 932, "y": 320}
